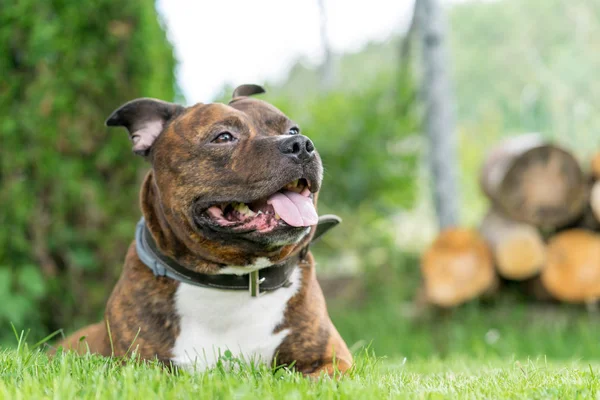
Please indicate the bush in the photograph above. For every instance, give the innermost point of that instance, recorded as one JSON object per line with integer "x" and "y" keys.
{"x": 68, "y": 187}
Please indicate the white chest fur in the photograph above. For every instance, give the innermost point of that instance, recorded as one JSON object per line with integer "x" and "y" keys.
{"x": 213, "y": 321}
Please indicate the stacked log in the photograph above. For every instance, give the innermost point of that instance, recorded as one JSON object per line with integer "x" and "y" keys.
{"x": 542, "y": 229}
{"x": 572, "y": 272}
{"x": 534, "y": 182}
{"x": 518, "y": 248}
{"x": 457, "y": 267}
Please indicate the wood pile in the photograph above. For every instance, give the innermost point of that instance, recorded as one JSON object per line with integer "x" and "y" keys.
{"x": 542, "y": 230}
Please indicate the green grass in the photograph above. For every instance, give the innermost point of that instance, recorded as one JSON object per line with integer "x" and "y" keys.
{"x": 31, "y": 375}
{"x": 506, "y": 351}
{"x": 501, "y": 331}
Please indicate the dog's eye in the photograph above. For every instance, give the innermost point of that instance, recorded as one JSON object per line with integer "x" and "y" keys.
{"x": 224, "y": 137}
{"x": 294, "y": 131}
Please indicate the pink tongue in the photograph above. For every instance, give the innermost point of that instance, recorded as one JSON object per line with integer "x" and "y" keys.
{"x": 294, "y": 209}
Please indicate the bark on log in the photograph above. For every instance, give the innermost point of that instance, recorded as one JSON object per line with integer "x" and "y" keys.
{"x": 533, "y": 182}
{"x": 572, "y": 271}
{"x": 457, "y": 267}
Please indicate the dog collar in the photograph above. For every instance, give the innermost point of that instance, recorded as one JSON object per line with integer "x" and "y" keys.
{"x": 264, "y": 280}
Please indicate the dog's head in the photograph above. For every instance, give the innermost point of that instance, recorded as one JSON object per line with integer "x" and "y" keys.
{"x": 232, "y": 182}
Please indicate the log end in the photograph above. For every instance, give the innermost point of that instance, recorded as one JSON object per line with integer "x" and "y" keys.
{"x": 544, "y": 187}
{"x": 457, "y": 267}
{"x": 520, "y": 255}
{"x": 572, "y": 271}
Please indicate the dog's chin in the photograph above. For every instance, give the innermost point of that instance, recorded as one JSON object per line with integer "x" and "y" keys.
{"x": 272, "y": 240}
{"x": 279, "y": 219}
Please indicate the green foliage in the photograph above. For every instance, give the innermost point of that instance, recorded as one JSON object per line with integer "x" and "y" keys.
{"x": 529, "y": 77}
{"x": 68, "y": 187}
{"x": 504, "y": 329}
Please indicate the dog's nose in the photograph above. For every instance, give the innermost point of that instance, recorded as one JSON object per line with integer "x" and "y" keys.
{"x": 298, "y": 146}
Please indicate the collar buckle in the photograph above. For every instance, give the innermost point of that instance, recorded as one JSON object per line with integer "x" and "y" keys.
{"x": 254, "y": 281}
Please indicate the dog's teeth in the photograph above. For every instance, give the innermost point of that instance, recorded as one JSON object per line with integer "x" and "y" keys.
{"x": 295, "y": 186}
{"x": 292, "y": 185}
{"x": 243, "y": 209}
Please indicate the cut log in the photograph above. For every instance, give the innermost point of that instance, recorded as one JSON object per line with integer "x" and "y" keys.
{"x": 518, "y": 248}
{"x": 595, "y": 166}
{"x": 572, "y": 271}
{"x": 457, "y": 267}
{"x": 534, "y": 182}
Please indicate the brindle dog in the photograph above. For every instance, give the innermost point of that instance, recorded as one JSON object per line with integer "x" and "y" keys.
{"x": 232, "y": 189}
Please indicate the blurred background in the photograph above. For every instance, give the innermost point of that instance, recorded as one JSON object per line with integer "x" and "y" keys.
{"x": 402, "y": 106}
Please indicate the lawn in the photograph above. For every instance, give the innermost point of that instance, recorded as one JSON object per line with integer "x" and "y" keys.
{"x": 505, "y": 351}
{"x": 30, "y": 375}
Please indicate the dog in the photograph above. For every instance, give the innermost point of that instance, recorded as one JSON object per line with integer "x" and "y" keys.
{"x": 221, "y": 260}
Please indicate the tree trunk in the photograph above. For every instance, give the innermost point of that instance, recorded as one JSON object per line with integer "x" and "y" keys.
{"x": 457, "y": 267}
{"x": 327, "y": 73}
{"x": 534, "y": 182}
{"x": 572, "y": 271}
{"x": 518, "y": 248}
{"x": 439, "y": 118}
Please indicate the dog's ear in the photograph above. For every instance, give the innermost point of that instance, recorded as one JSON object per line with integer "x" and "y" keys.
{"x": 326, "y": 222}
{"x": 145, "y": 119}
{"x": 247, "y": 90}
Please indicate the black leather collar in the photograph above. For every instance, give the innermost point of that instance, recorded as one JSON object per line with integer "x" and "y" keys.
{"x": 264, "y": 280}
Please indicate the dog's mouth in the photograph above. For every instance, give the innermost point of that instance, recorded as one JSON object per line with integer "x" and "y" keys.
{"x": 292, "y": 205}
